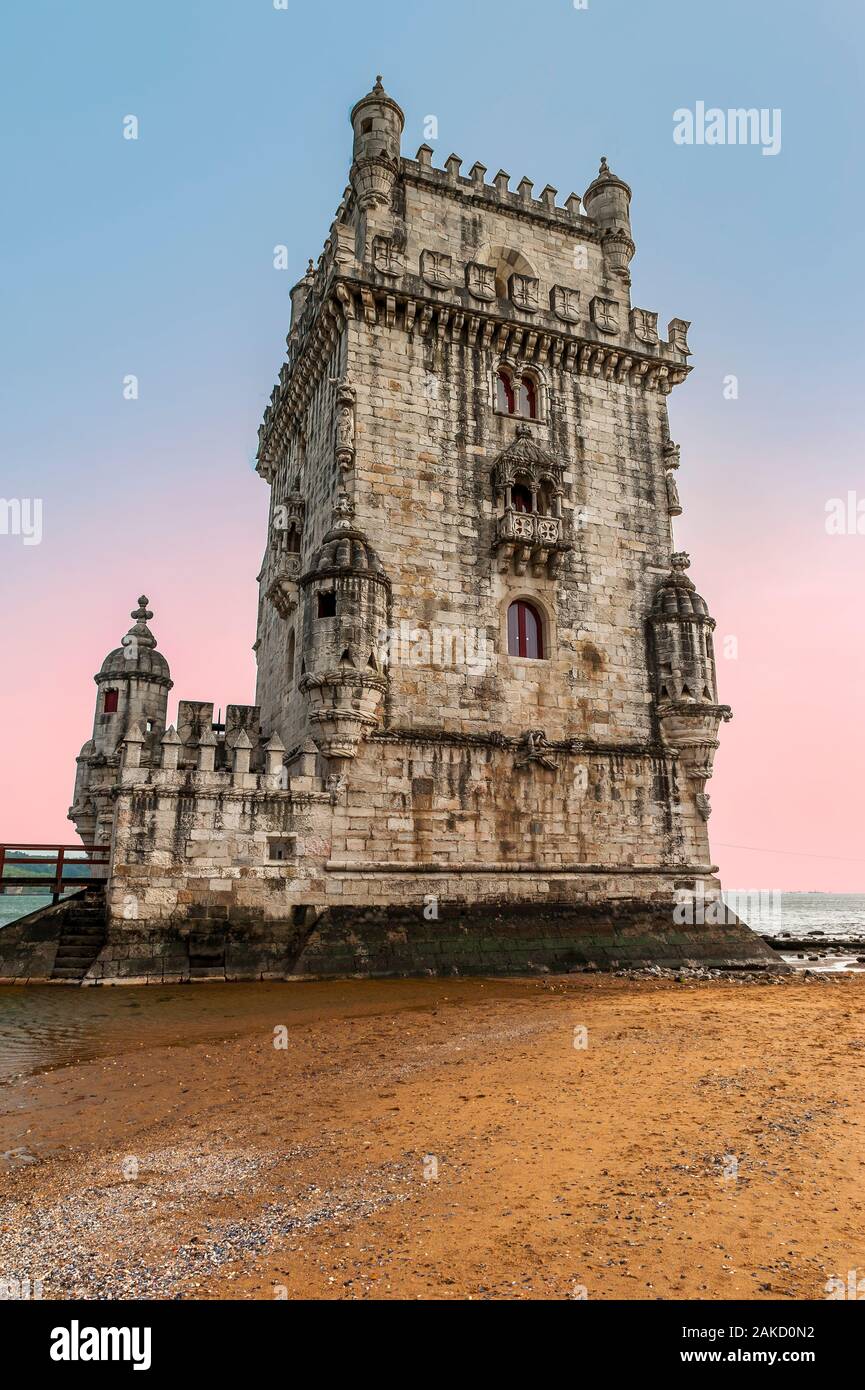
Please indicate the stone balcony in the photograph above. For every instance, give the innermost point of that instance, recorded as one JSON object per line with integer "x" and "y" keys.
{"x": 528, "y": 538}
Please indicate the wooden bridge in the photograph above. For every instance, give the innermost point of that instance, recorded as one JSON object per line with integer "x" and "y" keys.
{"x": 23, "y": 868}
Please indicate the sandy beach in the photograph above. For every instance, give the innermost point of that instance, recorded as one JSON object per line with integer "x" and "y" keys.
{"x": 501, "y": 1139}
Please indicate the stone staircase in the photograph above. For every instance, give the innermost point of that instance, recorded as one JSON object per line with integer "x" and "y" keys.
{"x": 82, "y": 935}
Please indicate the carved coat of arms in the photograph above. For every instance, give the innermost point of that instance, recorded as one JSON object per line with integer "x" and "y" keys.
{"x": 436, "y": 268}
{"x": 565, "y": 303}
{"x": 481, "y": 280}
{"x": 644, "y": 326}
{"x": 524, "y": 292}
{"x": 385, "y": 256}
{"x": 605, "y": 314}
{"x": 677, "y": 334}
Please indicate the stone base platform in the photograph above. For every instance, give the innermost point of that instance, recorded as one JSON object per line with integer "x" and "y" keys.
{"x": 510, "y": 939}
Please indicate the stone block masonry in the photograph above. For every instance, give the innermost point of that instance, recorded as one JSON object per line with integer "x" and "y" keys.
{"x": 486, "y": 709}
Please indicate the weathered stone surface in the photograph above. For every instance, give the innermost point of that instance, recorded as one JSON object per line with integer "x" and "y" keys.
{"x": 470, "y": 415}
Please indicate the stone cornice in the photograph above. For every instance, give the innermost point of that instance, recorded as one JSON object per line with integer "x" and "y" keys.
{"x": 695, "y": 709}
{"x": 575, "y": 746}
{"x": 344, "y": 572}
{"x": 111, "y": 678}
{"x": 414, "y": 309}
{"x": 390, "y": 866}
{"x": 225, "y": 791}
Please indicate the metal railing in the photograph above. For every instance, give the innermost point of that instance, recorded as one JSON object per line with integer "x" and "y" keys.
{"x": 72, "y": 866}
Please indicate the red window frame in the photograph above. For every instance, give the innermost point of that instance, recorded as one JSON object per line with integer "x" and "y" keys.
{"x": 110, "y": 701}
{"x": 525, "y": 631}
{"x": 506, "y": 386}
{"x": 528, "y": 399}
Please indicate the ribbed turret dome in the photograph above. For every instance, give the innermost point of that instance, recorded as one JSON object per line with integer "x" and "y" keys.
{"x": 344, "y": 547}
{"x": 677, "y": 596}
{"x": 137, "y": 653}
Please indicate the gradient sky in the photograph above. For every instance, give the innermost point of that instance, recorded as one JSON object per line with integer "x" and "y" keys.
{"x": 155, "y": 257}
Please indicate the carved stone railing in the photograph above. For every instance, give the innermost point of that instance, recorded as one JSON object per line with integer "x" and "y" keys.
{"x": 527, "y": 537}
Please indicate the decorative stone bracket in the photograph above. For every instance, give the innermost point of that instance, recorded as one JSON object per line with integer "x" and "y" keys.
{"x": 282, "y": 587}
{"x": 343, "y": 708}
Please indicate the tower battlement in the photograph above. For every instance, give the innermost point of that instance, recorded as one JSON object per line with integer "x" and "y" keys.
{"x": 557, "y": 276}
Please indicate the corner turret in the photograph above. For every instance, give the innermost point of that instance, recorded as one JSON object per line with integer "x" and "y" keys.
{"x": 133, "y": 684}
{"x": 607, "y": 201}
{"x": 686, "y": 691}
{"x": 132, "y": 689}
{"x": 346, "y": 599}
{"x": 377, "y": 122}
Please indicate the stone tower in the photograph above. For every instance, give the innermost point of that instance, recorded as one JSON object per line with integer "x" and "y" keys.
{"x": 132, "y": 688}
{"x": 466, "y": 372}
{"x": 486, "y": 705}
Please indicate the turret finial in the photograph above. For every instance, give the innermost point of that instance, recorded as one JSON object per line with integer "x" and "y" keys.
{"x": 142, "y": 613}
{"x": 139, "y": 635}
{"x": 343, "y": 511}
{"x": 680, "y": 561}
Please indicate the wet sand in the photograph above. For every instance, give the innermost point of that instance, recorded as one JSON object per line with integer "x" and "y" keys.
{"x": 445, "y": 1139}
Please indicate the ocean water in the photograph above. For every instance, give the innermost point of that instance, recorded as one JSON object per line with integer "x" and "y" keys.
{"x": 15, "y": 905}
{"x": 836, "y": 916}
{"x": 18, "y": 900}
{"x": 807, "y": 920}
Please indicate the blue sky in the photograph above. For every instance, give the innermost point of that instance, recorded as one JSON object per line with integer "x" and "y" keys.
{"x": 155, "y": 256}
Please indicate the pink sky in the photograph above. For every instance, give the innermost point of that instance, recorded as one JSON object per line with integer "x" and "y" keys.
{"x": 790, "y": 765}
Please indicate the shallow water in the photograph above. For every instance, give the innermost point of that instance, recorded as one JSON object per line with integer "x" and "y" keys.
{"x": 45, "y": 1026}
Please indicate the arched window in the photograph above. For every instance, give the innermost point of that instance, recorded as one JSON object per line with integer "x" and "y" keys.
{"x": 517, "y": 396}
{"x": 525, "y": 631}
{"x": 545, "y": 499}
{"x": 528, "y": 398}
{"x": 505, "y": 400}
{"x": 110, "y": 703}
{"x": 292, "y": 542}
{"x": 521, "y": 498}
